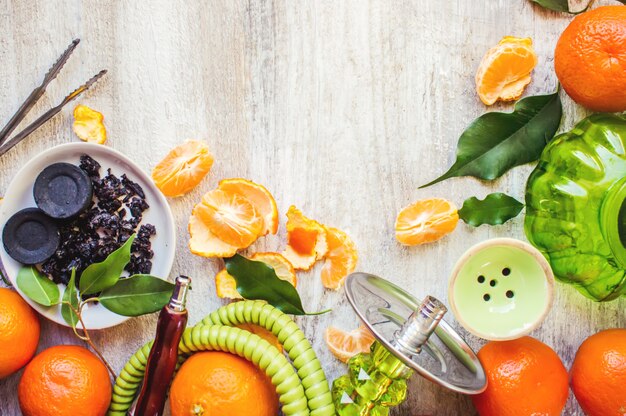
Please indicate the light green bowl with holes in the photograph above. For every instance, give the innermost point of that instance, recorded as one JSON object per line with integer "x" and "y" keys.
{"x": 501, "y": 289}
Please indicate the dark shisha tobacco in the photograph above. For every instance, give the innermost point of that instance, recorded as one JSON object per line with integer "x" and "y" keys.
{"x": 113, "y": 216}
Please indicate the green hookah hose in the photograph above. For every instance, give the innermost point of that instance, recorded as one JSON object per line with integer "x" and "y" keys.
{"x": 301, "y": 393}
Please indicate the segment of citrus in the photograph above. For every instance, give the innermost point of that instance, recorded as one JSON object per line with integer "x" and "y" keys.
{"x": 183, "y": 168}
{"x": 306, "y": 240}
{"x": 425, "y": 221}
{"x": 505, "y": 70}
{"x": 341, "y": 258}
{"x": 232, "y": 218}
{"x": 282, "y": 267}
{"x": 226, "y": 285}
{"x": 344, "y": 345}
{"x": 203, "y": 242}
{"x": 259, "y": 196}
{"x": 89, "y": 125}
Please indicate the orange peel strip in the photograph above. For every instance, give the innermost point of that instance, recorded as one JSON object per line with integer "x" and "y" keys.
{"x": 89, "y": 125}
{"x": 306, "y": 240}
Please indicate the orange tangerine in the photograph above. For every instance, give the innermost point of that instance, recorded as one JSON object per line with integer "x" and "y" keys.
{"x": 259, "y": 196}
{"x": 19, "y": 332}
{"x": 219, "y": 383}
{"x": 306, "y": 240}
{"x": 341, "y": 258}
{"x": 344, "y": 345}
{"x": 426, "y": 221}
{"x": 183, "y": 168}
{"x": 232, "y": 218}
{"x": 505, "y": 70}
{"x": 64, "y": 380}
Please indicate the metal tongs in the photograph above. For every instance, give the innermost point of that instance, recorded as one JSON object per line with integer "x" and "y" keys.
{"x": 5, "y": 143}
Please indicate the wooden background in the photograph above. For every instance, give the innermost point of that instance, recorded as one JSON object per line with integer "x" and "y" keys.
{"x": 342, "y": 108}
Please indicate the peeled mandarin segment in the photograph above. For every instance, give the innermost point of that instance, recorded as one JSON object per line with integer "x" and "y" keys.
{"x": 426, "y": 221}
{"x": 226, "y": 286}
{"x": 344, "y": 345}
{"x": 341, "y": 258}
{"x": 89, "y": 125}
{"x": 282, "y": 267}
{"x": 259, "y": 196}
{"x": 306, "y": 240}
{"x": 505, "y": 70}
{"x": 232, "y": 218}
{"x": 183, "y": 168}
{"x": 203, "y": 242}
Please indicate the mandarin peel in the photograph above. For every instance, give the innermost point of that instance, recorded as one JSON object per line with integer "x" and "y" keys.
{"x": 89, "y": 125}
{"x": 306, "y": 240}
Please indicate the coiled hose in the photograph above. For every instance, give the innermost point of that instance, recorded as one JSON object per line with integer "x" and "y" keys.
{"x": 303, "y": 391}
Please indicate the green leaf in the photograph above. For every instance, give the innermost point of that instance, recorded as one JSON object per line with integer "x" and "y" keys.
{"x": 495, "y": 209}
{"x": 137, "y": 295}
{"x": 257, "y": 280}
{"x": 37, "y": 286}
{"x": 563, "y": 5}
{"x": 100, "y": 276}
{"x": 496, "y": 142}
{"x": 556, "y": 5}
{"x": 70, "y": 297}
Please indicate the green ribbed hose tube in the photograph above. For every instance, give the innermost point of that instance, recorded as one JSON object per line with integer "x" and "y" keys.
{"x": 302, "y": 391}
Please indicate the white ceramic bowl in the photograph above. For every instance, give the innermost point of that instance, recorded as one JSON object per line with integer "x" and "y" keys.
{"x": 501, "y": 289}
{"x": 19, "y": 195}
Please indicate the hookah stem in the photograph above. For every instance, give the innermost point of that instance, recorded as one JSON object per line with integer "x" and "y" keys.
{"x": 164, "y": 353}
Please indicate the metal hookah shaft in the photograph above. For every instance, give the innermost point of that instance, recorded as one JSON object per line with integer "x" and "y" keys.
{"x": 164, "y": 353}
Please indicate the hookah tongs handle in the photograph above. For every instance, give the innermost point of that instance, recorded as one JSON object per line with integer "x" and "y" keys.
{"x": 164, "y": 353}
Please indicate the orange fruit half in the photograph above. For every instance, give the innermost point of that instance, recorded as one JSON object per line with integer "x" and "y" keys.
{"x": 183, "y": 168}
{"x": 260, "y": 197}
{"x": 505, "y": 70}
{"x": 232, "y": 218}
{"x": 426, "y": 221}
{"x": 344, "y": 345}
{"x": 341, "y": 258}
{"x": 306, "y": 240}
{"x": 226, "y": 285}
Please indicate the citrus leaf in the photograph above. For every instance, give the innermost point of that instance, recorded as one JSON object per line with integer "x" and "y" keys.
{"x": 37, "y": 286}
{"x": 563, "y": 5}
{"x": 137, "y": 295}
{"x": 496, "y": 142}
{"x": 495, "y": 209}
{"x": 556, "y": 5}
{"x": 257, "y": 280}
{"x": 100, "y": 276}
{"x": 70, "y": 297}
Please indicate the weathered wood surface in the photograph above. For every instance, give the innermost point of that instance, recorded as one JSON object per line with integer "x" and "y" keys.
{"x": 340, "y": 107}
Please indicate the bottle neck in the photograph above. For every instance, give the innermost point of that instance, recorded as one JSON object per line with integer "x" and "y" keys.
{"x": 613, "y": 220}
{"x": 179, "y": 295}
